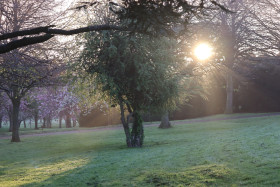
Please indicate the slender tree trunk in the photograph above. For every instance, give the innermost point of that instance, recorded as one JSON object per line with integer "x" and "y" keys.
{"x": 60, "y": 121}
{"x": 125, "y": 126}
{"x": 36, "y": 120}
{"x": 137, "y": 133}
{"x": 165, "y": 123}
{"x": 10, "y": 119}
{"x": 11, "y": 125}
{"x": 136, "y": 136}
{"x": 44, "y": 122}
{"x": 30, "y": 121}
{"x": 1, "y": 117}
{"x": 19, "y": 123}
{"x": 68, "y": 120}
{"x": 229, "y": 91}
{"x": 49, "y": 122}
{"x": 24, "y": 123}
{"x": 15, "y": 121}
{"x": 74, "y": 122}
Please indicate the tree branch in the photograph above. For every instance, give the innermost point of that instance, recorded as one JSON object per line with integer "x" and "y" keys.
{"x": 26, "y": 32}
{"x": 49, "y": 34}
{"x": 24, "y": 42}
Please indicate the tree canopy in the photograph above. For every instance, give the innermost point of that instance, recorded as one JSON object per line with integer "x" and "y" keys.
{"x": 147, "y": 16}
{"x": 137, "y": 72}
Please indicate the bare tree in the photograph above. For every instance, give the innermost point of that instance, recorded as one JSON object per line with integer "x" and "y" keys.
{"x": 24, "y": 68}
{"x": 237, "y": 38}
{"x": 20, "y": 73}
{"x": 266, "y": 16}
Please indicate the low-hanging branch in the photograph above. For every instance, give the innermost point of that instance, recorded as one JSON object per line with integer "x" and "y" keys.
{"x": 136, "y": 11}
{"x": 49, "y": 33}
{"x": 24, "y": 42}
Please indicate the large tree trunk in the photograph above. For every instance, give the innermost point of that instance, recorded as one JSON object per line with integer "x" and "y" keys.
{"x": 229, "y": 91}
{"x": 137, "y": 133}
{"x": 165, "y": 121}
{"x": 15, "y": 121}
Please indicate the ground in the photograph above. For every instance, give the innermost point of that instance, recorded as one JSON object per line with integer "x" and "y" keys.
{"x": 202, "y": 153}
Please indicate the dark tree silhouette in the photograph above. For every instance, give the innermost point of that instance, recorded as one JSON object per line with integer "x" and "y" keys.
{"x": 145, "y": 16}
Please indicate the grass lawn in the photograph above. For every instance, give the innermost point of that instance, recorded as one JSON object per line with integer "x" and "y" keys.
{"x": 30, "y": 128}
{"x": 222, "y": 153}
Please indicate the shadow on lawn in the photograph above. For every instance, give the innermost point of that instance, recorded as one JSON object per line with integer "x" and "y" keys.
{"x": 203, "y": 175}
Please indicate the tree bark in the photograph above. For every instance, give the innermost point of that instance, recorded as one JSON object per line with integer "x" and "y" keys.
{"x": 1, "y": 117}
{"x": 15, "y": 121}
{"x": 137, "y": 133}
{"x": 10, "y": 118}
{"x": 165, "y": 123}
{"x": 136, "y": 136}
{"x": 24, "y": 123}
{"x": 125, "y": 125}
{"x": 68, "y": 120}
{"x": 229, "y": 91}
{"x": 44, "y": 122}
{"x": 36, "y": 120}
{"x": 49, "y": 33}
{"x": 74, "y": 122}
{"x": 49, "y": 122}
{"x": 60, "y": 121}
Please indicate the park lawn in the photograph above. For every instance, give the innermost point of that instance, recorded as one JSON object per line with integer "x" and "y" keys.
{"x": 23, "y": 131}
{"x": 4, "y": 131}
{"x": 222, "y": 153}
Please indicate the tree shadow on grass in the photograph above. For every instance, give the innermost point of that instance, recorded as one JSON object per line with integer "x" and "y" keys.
{"x": 204, "y": 175}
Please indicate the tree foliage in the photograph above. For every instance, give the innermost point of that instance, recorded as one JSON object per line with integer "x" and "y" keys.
{"x": 134, "y": 68}
{"x": 145, "y": 16}
{"x": 137, "y": 72}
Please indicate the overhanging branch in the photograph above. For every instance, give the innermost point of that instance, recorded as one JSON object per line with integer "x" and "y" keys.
{"x": 24, "y": 42}
{"x": 26, "y": 32}
{"x": 49, "y": 33}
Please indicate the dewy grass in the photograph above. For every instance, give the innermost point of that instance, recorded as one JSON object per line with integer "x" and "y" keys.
{"x": 222, "y": 153}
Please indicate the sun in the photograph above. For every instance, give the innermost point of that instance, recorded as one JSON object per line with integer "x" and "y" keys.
{"x": 203, "y": 51}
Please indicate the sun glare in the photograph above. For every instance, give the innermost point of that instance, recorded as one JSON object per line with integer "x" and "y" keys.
{"x": 203, "y": 51}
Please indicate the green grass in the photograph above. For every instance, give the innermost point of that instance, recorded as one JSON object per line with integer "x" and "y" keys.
{"x": 240, "y": 152}
{"x": 4, "y": 131}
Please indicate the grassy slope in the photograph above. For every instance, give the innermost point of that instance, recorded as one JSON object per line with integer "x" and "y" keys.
{"x": 234, "y": 152}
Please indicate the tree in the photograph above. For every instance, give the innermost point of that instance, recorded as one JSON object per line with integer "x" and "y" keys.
{"x": 53, "y": 102}
{"x": 33, "y": 107}
{"x": 146, "y": 16}
{"x": 236, "y": 38}
{"x": 68, "y": 104}
{"x": 24, "y": 68}
{"x": 2, "y": 108}
{"x": 136, "y": 72}
{"x": 20, "y": 73}
{"x": 266, "y": 18}
{"x": 165, "y": 123}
